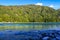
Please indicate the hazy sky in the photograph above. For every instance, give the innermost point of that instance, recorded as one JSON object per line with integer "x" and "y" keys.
{"x": 51, "y": 3}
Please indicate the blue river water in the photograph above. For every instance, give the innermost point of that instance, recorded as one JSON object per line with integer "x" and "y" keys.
{"x": 31, "y": 23}
{"x": 34, "y": 25}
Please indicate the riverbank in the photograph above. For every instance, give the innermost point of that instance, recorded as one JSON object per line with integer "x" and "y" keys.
{"x": 30, "y": 35}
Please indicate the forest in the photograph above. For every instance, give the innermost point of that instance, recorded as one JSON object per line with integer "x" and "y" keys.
{"x": 29, "y": 13}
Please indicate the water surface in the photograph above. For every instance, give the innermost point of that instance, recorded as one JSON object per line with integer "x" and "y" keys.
{"x": 31, "y": 26}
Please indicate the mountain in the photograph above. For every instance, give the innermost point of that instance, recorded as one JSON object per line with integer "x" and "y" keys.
{"x": 29, "y": 13}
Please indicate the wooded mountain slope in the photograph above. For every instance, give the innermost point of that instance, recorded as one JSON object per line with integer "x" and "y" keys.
{"x": 29, "y": 13}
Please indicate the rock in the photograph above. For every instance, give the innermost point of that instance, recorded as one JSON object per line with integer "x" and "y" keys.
{"x": 58, "y": 38}
{"x": 45, "y": 38}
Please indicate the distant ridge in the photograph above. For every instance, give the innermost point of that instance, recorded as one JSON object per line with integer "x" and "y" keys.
{"x": 29, "y": 13}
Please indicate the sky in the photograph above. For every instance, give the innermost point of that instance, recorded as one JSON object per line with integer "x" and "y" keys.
{"x": 51, "y": 3}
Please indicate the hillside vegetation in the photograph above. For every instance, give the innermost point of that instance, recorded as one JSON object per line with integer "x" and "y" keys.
{"x": 29, "y": 13}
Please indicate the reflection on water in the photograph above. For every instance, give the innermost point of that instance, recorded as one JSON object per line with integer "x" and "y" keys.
{"x": 30, "y": 26}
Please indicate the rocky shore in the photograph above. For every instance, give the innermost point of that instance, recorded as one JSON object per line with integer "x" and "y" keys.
{"x": 30, "y": 35}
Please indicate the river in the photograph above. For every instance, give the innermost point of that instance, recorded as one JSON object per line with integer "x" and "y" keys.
{"x": 31, "y": 26}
